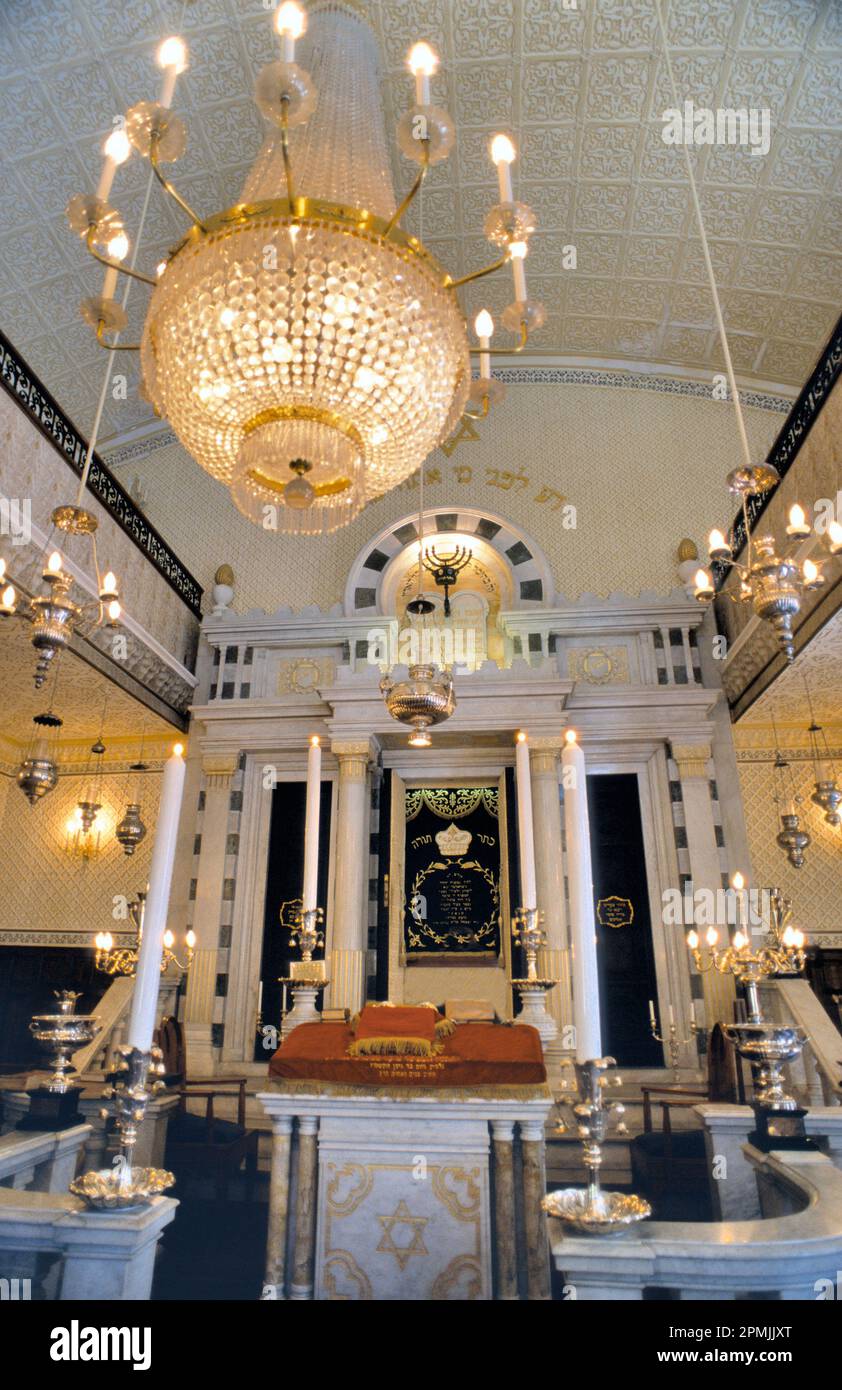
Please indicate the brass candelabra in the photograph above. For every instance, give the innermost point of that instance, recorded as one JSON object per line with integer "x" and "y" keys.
{"x": 122, "y": 960}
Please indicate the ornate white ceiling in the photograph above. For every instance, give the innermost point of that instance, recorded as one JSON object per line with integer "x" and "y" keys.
{"x": 581, "y": 91}
{"x": 81, "y": 694}
{"x": 785, "y": 700}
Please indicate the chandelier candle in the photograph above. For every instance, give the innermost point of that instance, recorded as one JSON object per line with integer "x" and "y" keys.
{"x": 311, "y": 825}
{"x": 116, "y": 150}
{"x": 172, "y": 57}
{"x": 148, "y": 977}
{"x": 484, "y": 328}
{"x": 526, "y": 839}
{"x": 503, "y": 155}
{"x": 422, "y": 64}
{"x": 580, "y": 887}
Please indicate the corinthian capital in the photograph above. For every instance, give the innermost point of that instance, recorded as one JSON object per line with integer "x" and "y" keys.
{"x": 692, "y": 759}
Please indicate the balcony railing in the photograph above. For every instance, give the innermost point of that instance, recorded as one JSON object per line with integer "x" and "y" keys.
{"x": 48, "y": 417}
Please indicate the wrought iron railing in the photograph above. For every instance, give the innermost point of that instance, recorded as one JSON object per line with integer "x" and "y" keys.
{"x": 48, "y": 417}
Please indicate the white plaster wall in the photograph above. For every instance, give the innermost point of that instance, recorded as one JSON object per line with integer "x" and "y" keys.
{"x": 643, "y": 468}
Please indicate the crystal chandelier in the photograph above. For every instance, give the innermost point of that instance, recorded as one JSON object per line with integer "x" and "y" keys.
{"x": 306, "y": 350}
{"x": 54, "y": 614}
{"x": 122, "y": 960}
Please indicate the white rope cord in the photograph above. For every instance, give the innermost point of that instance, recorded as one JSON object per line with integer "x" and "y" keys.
{"x": 726, "y": 351}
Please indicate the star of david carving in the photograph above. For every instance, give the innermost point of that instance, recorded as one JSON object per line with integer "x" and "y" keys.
{"x": 402, "y": 1217}
{"x": 464, "y": 432}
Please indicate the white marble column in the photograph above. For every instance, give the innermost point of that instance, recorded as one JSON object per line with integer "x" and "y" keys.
{"x": 693, "y": 761}
{"x": 549, "y": 875}
{"x": 219, "y": 769}
{"x": 348, "y": 926}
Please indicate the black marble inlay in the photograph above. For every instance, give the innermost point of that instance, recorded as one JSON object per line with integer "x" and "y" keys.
{"x": 519, "y": 553}
{"x": 531, "y": 589}
{"x": 406, "y": 533}
{"x": 221, "y": 988}
{"x": 446, "y": 522}
{"x": 360, "y": 649}
{"x": 377, "y": 561}
{"x": 534, "y": 641}
{"x": 236, "y": 801}
{"x": 365, "y": 598}
{"x": 487, "y": 529}
{"x": 217, "y": 1034}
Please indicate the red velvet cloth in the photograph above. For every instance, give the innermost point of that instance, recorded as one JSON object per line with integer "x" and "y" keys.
{"x": 477, "y": 1054}
{"x": 400, "y": 1021}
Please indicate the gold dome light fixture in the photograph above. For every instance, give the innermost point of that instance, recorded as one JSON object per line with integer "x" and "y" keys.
{"x": 307, "y": 350}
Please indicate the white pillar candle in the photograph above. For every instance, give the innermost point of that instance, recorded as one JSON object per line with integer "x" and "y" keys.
{"x": 580, "y": 890}
{"x": 651, "y": 1013}
{"x": 517, "y": 250}
{"x": 422, "y": 62}
{"x": 311, "y": 824}
{"x": 484, "y": 327}
{"x": 526, "y": 839}
{"x": 502, "y": 153}
{"x": 291, "y": 23}
{"x": 106, "y": 178}
{"x": 148, "y": 976}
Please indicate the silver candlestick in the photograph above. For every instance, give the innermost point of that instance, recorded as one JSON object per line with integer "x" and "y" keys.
{"x": 528, "y": 932}
{"x": 137, "y": 1081}
{"x": 589, "y": 1210}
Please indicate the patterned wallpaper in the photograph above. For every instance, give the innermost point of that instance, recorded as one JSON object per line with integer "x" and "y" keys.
{"x": 642, "y": 467}
{"x": 58, "y": 898}
{"x": 815, "y": 888}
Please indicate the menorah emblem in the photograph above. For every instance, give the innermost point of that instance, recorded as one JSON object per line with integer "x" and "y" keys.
{"x": 445, "y": 569}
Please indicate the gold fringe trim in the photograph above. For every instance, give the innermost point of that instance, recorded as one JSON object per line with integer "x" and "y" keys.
{"x": 506, "y": 1090}
{"x": 445, "y": 1028}
{"x": 393, "y": 1047}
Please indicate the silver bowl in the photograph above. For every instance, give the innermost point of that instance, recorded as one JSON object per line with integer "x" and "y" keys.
{"x": 609, "y": 1214}
{"x": 105, "y": 1189}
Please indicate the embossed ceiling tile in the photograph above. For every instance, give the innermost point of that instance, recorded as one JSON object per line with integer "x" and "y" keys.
{"x": 588, "y": 295}
{"x": 608, "y": 150}
{"x": 552, "y": 292}
{"x": 551, "y": 202}
{"x": 760, "y": 81}
{"x": 617, "y": 88}
{"x": 447, "y": 250}
{"x": 744, "y": 348}
{"x": 641, "y": 299}
{"x": 27, "y": 125}
{"x": 473, "y": 160}
{"x": 634, "y": 338}
{"x": 805, "y": 319}
{"x": 623, "y": 24}
{"x": 784, "y": 217}
{"x": 403, "y": 22}
{"x": 726, "y": 211}
{"x": 690, "y": 25}
{"x": 137, "y": 77}
{"x": 651, "y": 257}
{"x": 818, "y": 100}
{"x": 761, "y": 268}
{"x": 46, "y": 31}
{"x": 129, "y": 21}
{"x": 779, "y": 23}
{"x": 691, "y": 304}
{"x": 399, "y": 94}
{"x": 602, "y": 207}
{"x": 546, "y": 152}
{"x": 659, "y": 207}
{"x": 597, "y": 255}
{"x": 20, "y": 317}
{"x": 805, "y": 159}
{"x": 587, "y": 335}
{"x": 696, "y": 76}
{"x": 16, "y": 206}
{"x": 233, "y": 132}
{"x": 201, "y": 14}
{"x": 260, "y": 42}
{"x": 84, "y": 98}
{"x": 549, "y": 89}
{"x": 37, "y": 245}
{"x": 552, "y": 29}
{"x": 827, "y": 228}
{"x": 484, "y": 93}
{"x": 546, "y": 254}
{"x": 749, "y": 311}
{"x": 685, "y": 344}
{"x": 830, "y": 34}
{"x": 735, "y": 164}
{"x": 723, "y": 254}
{"x": 441, "y": 213}
{"x": 817, "y": 276}
{"x": 58, "y": 298}
{"x": 658, "y": 160}
{"x": 483, "y": 28}
{"x": 787, "y": 361}
{"x": 217, "y": 69}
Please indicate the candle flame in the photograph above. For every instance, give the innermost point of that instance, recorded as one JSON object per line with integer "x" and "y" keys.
{"x": 738, "y": 882}
{"x": 692, "y": 940}
{"x": 711, "y": 936}
{"x": 422, "y": 59}
{"x": 502, "y": 150}
{"x": 521, "y": 736}
{"x": 178, "y": 749}
{"x": 570, "y": 736}
{"x": 314, "y": 741}
{"x": 172, "y": 54}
